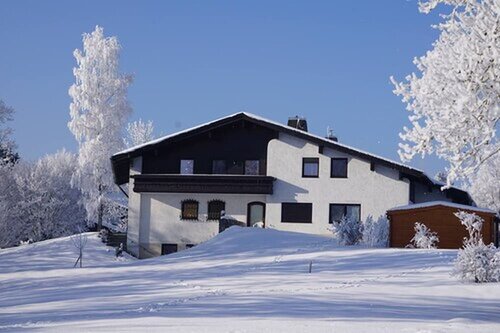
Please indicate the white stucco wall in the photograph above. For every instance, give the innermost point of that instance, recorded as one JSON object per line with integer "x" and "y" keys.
{"x": 154, "y": 218}
{"x": 376, "y": 191}
{"x": 161, "y": 223}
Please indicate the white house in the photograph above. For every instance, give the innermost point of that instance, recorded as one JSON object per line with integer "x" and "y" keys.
{"x": 257, "y": 170}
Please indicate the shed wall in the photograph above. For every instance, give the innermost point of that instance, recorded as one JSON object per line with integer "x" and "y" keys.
{"x": 439, "y": 219}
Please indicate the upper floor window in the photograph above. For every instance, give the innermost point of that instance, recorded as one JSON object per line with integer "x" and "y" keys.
{"x": 310, "y": 167}
{"x": 187, "y": 167}
{"x": 218, "y": 167}
{"x": 189, "y": 210}
{"x": 339, "y": 168}
{"x": 236, "y": 167}
{"x": 337, "y": 211}
{"x": 215, "y": 208}
{"x": 251, "y": 167}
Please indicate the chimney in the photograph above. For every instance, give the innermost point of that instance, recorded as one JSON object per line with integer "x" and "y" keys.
{"x": 298, "y": 123}
{"x": 330, "y": 135}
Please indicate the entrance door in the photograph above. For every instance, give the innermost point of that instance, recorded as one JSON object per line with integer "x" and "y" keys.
{"x": 256, "y": 213}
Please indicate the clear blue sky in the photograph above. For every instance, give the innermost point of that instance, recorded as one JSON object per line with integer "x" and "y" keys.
{"x": 194, "y": 61}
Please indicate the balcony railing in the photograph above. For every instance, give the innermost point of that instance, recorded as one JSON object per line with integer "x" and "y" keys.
{"x": 237, "y": 184}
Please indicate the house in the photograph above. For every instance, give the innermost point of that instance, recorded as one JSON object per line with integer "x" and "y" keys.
{"x": 257, "y": 171}
{"x": 439, "y": 216}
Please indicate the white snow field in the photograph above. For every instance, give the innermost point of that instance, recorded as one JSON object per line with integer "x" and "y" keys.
{"x": 243, "y": 280}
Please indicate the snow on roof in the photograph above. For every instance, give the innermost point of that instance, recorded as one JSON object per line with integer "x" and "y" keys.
{"x": 440, "y": 203}
{"x": 259, "y": 118}
{"x": 317, "y": 137}
{"x": 155, "y": 141}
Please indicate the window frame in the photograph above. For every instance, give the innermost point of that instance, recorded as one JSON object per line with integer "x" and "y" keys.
{"x": 213, "y": 167}
{"x": 258, "y": 167}
{"x": 334, "y": 159}
{"x": 166, "y": 245}
{"x": 190, "y": 201}
{"x": 311, "y": 160}
{"x": 211, "y": 202}
{"x": 180, "y": 166}
{"x": 345, "y": 210}
{"x": 305, "y": 221}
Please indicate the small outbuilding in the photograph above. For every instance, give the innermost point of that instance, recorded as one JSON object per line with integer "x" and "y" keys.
{"x": 440, "y": 217}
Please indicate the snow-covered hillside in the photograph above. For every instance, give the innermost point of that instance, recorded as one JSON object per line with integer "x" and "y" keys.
{"x": 244, "y": 280}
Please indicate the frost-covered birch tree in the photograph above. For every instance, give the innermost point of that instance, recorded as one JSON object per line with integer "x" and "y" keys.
{"x": 99, "y": 112}
{"x": 139, "y": 132}
{"x": 454, "y": 100}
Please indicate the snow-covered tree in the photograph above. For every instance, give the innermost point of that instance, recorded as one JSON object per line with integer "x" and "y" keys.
{"x": 424, "y": 238}
{"x": 455, "y": 99}
{"x": 476, "y": 261}
{"x": 7, "y": 145}
{"x": 99, "y": 112}
{"x": 376, "y": 232}
{"x": 348, "y": 230}
{"x": 40, "y": 202}
{"x": 485, "y": 185}
{"x": 139, "y": 132}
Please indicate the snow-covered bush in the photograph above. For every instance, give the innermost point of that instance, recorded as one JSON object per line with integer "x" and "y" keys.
{"x": 476, "y": 261}
{"x": 376, "y": 233}
{"x": 424, "y": 238}
{"x": 349, "y": 231}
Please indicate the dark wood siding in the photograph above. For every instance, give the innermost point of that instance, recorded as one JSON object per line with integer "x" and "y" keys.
{"x": 440, "y": 219}
{"x": 234, "y": 143}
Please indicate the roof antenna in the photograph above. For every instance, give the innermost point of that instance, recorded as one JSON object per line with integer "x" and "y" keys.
{"x": 330, "y": 135}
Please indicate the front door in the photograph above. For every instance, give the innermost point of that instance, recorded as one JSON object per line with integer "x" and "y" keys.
{"x": 256, "y": 213}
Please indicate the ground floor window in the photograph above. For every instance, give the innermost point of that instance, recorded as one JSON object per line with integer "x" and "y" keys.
{"x": 189, "y": 210}
{"x": 215, "y": 208}
{"x": 352, "y": 211}
{"x": 295, "y": 212}
{"x": 168, "y": 248}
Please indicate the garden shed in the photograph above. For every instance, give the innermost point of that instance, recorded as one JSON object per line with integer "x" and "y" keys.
{"x": 440, "y": 217}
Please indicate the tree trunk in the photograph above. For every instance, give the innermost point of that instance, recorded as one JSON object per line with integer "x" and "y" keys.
{"x": 99, "y": 217}
{"x": 100, "y": 210}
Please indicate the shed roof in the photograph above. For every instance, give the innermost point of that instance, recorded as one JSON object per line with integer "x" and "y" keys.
{"x": 440, "y": 203}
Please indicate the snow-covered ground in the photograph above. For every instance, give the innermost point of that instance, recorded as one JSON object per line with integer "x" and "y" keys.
{"x": 244, "y": 280}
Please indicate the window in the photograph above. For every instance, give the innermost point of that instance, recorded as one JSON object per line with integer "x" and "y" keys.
{"x": 339, "y": 168}
{"x": 187, "y": 167}
{"x": 218, "y": 167}
{"x": 252, "y": 167}
{"x": 236, "y": 167}
{"x": 168, "y": 248}
{"x": 189, "y": 210}
{"x": 310, "y": 167}
{"x": 296, "y": 212}
{"x": 352, "y": 211}
{"x": 215, "y": 207}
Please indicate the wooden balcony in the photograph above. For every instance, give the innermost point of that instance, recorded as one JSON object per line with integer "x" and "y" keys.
{"x": 236, "y": 184}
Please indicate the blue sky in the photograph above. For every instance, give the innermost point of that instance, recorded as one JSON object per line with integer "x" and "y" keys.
{"x": 194, "y": 61}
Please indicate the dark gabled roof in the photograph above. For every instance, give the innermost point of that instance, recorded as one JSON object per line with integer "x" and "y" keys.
{"x": 121, "y": 160}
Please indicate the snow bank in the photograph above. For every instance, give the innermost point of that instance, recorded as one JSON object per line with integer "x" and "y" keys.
{"x": 57, "y": 253}
{"x": 243, "y": 280}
